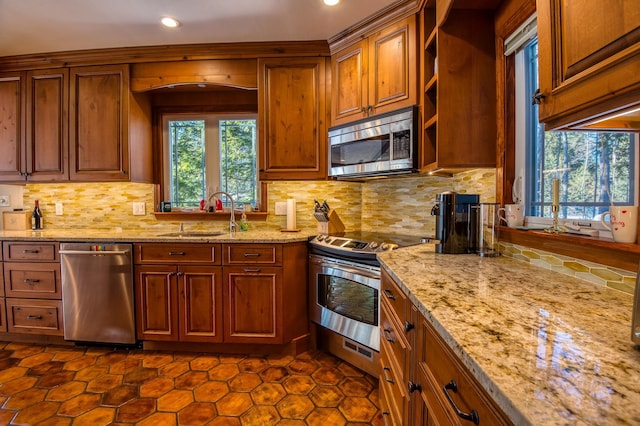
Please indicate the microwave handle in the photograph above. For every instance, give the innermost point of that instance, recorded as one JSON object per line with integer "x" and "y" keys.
{"x": 350, "y": 270}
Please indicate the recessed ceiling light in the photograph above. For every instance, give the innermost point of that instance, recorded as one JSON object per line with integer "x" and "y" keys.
{"x": 331, "y": 2}
{"x": 170, "y": 22}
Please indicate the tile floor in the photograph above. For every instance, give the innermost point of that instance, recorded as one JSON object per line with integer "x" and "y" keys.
{"x": 55, "y": 385}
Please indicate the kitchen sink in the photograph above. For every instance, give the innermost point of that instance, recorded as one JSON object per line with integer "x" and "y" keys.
{"x": 191, "y": 234}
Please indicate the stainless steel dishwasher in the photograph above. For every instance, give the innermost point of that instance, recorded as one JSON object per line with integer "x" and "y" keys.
{"x": 97, "y": 292}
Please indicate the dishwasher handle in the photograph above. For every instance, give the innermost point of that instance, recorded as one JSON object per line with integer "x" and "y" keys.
{"x": 95, "y": 253}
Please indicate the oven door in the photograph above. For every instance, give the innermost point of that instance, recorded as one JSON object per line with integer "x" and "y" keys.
{"x": 344, "y": 298}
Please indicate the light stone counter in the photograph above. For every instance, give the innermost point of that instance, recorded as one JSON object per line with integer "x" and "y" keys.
{"x": 145, "y": 235}
{"x": 549, "y": 348}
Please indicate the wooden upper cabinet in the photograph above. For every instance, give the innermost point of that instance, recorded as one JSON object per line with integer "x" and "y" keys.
{"x": 292, "y": 118}
{"x": 99, "y": 142}
{"x": 375, "y": 75}
{"x": 11, "y": 126}
{"x": 589, "y": 60}
{"x": 47, "y": 121}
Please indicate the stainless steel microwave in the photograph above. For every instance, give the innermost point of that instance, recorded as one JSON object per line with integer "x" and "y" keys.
{"x": 381, "y": 145}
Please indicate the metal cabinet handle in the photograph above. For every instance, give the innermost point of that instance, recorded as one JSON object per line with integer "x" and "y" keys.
{"x": 472, "y": 416}
{"x": 34, "y": 317}
{"x": 177, "y": 253}
{"x": 408, "y": 326}
{"x": 387, "y": 333}
{"x": 414, "y": 387}
{"x": 537, "y": 97}
{"x": 384, "y": 374}
{"x": 389, "y": 294}
{"x": 252, "y": 270}
{"x": 180, "y": 274}
{"x": 30, "y": 281}
{"x": 252, "y": 255}
{"x": 25, "y": 251}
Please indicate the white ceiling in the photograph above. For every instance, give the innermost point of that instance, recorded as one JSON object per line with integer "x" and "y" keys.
{"x": 41, "y": 26}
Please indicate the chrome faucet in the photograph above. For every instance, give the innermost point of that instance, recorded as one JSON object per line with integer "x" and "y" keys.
{"x": 232, "y": 219}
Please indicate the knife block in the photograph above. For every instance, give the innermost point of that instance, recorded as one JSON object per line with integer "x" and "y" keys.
{"x": 331, "y": 226}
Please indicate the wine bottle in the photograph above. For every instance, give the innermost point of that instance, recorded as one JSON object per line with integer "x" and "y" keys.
{"x": 36, "y": 217}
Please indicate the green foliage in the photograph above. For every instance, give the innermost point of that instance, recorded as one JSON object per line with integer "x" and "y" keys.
{"x": 238, "y": 159}
{"x": 187, "y": 162}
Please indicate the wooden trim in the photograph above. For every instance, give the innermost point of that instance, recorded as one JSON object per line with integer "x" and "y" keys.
{"x": 256, "y": 216}
{"x": 605, "y": 252}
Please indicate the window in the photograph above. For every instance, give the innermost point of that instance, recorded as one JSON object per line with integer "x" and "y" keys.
{"x": 207, "y": 153}
{"x": 595, "y": 169}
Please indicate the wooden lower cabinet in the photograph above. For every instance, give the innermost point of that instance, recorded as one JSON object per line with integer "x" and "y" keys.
{"x": 417, "y": 366}
{"x": 179, "y": 303}
{"x": 3, "y": 316}
{"x": 252, "y": 311}
{"x": 34, "y": 316}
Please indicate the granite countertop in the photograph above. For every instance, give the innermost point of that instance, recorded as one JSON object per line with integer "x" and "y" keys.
{"x": 163, "y": 235}
{"x": 549, "y": 348}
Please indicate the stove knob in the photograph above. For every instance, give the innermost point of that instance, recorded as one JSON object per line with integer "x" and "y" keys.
{"x": 385, "y": 247}
{"x": 373, "y": 245}
{"x": 320, "y": 237}
{"x": 328, "y": 240}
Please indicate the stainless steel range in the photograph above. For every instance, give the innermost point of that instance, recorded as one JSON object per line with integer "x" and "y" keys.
{"x": 344, "y": 279}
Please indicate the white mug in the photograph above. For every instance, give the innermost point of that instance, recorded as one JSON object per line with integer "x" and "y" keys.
{"x": 513, "y": 215}
{"x": 623, "y": 223}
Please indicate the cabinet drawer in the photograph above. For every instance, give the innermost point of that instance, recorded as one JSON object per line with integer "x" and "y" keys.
{"x": 34, "y": 252}
{"x": 32, "y": 280}
{"x": 443, "y": 368}
{"x": 394, "y": 340}
{"x": 34, "y": 316}
{"x": 244, "y": 254}
{"x": 177, "y": 253}
{"x": 393, "y": 389}
{"x": 391, "y": 293}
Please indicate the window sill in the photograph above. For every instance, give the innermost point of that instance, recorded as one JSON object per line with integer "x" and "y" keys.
{"x": 593, "y": 249}
{"x": 199, "y": 215}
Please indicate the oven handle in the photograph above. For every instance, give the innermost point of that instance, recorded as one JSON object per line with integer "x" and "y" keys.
{"x": 351, "y": 270}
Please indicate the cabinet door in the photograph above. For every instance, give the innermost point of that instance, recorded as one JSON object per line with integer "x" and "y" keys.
{"x": 11, "y": 127}
{"x": 156, "y": 303}
{"x": 47, "y": 118}
{"x": 393, "y": 67}
{"x": 3, "y": 316}
{"x": 98, "y": 140}
{"x": 589, "y": 59}
{"x": 200, "y": 303}
{"x": 292, "y": 118}
{"x": 253, "y": 305}
{"x": 349, "y": 84}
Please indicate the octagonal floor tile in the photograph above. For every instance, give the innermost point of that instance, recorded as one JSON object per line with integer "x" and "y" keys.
{"x": 350, "y": 371}
{"x": 204, "y": 362}
{"x": 279, "y": 359}
{"x": 231, "y": 358}
{"x": 327, "y": 376}
{"x": 8, "y": 363}
{"x": 66, "y": 354}
{"x": 295, "y": 407}
{"x": 12, "y": 373}
{"x": 299, "y": 385}
{"x": 244, "y": 382}
{"x": 326, "y": 396}
{"x": 79, "y": 404}
{"x": 173, "y": 369}
{"x": 100, "y": 416}
{"x": 164, "y": 419}
{"x": 140, "y": 375}
{"x": 211, "y": 391}
{"x": 197, "y": 413}
{"x": 134, "y": 411}
{"x": 263, "y": 415}
{"x": 17, "y": 385}
{"x": 356, "y": 386}
{"x": 175, "y": 400}
{"x": 55, "y": 379}
{"x": 36, "y": 359}
{"x": 274, "y": 374}
{"x": 302, "y": 366}
{"x": 357, "y": 409}
{"x": 25, "y": 351}
{"x": 223, "y": 372}
{"x": 233, "y": 404}
{"x": 25, "y": 399}
{"x": 80, "y": 363}
{"x": 46, "y": 368}
{"x": 327, "y": 360}
{"x": 36, "y": 413}
{"x": 156, "y": 388}
{"x": 104, "y": 383}
{"x": 191, "y": 379}
{"x": 157, "y": 360}
{"x": 268, "y": 393}
{"x": 90, "y": 373}
{"x": 119, "y": 395}
{"x": 66, "y": 391}
{"x": 125, "y": 366}
{"x": 225, "y": 421}
{"x": 253, "y": 365}
{"x": 293, "y": 422}
{"x": 6, "y": 416}
{"x": 56, "y": 421}
{"x": 111, "y": 358}
{"x": 326, "y": 416}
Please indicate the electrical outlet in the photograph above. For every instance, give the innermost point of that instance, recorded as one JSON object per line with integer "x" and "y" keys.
{"x": 4, "y": 201}
{"x": 59, "y": 210}
{"x": 281, "y": 208}
{"x": 138, "y": 209}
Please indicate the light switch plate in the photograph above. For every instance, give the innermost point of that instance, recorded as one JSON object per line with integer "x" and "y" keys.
{"x": 4, "y": 201}
{"x": 59, "y": 210}
{"x": 138, "y": 209}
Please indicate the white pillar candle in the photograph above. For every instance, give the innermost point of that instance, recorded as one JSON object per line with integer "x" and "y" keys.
{"x": 291, "y": 214}
{"x": 555, "y": 192}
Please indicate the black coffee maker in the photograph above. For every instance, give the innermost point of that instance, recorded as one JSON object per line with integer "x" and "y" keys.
{"x": 455, "y": 222}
